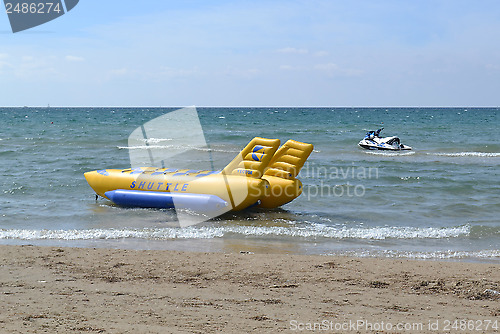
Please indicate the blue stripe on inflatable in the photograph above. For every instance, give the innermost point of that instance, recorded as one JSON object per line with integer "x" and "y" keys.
{"x": 209, "y": 173}
{"x": 162, "y": 200}
{"x": 136, "y": 171}
{"x": 144, "y": 199}
{"x": 170, "y": 170}
{"x": 191, "y": 171}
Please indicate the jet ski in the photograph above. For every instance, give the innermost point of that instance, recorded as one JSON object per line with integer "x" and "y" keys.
{"x": 373, "y": 141}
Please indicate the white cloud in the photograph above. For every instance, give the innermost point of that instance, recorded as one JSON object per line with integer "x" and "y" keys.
{"x": 292, "y": 50}
{"x": 30, "y": 68}
{"x": 153, "y": 74}
{"x": 286, "y": 67}
{"x": 74, "y": 58}
{"x": 321, "y": 53}
{"x": 166, "y": 71}
{"x": 119, "y": 71}
{"x": 243, "y": 72}
{"x": 26, "y": 69}
{"x": 290, "y": 68}
{"x": 326, "y": 67}
{"x": 3, "y": 62}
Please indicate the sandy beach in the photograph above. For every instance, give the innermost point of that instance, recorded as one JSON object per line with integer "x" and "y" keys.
{"x": 79, "y": 290}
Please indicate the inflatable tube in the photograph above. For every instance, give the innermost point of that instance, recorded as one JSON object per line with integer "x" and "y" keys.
{"x": 260, "y": 175}
{"x": 239, "y": 191}
{"x": 160, "y": 200}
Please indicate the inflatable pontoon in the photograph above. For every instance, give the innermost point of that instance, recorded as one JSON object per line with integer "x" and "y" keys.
{"x": 262, "y": 174}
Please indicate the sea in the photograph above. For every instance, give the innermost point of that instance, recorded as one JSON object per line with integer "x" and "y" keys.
{"x": 439, "y": 201}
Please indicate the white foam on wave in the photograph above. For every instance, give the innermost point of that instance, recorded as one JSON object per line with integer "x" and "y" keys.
{"x": 96, "y": 234}
{"x": 176, "y": 147}
{"x": 435, "y": 255}
{"x": 390, "y": 154}
{"x": 157, "y": 140}
{"x": 207, "y": 149}
{"x": 439, "y": 154}
{"x": 152, "y": 140}
{"x": 312, "y": 231}
{"x": 468, "y": 154}
{"x": 144, "y": 147}
{"x": 330, "y": 232}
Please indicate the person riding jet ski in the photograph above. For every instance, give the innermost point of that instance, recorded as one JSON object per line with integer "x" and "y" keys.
{"x": 373, "y": 141}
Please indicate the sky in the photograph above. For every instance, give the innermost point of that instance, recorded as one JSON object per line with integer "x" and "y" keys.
{"x": 257, "y": 53}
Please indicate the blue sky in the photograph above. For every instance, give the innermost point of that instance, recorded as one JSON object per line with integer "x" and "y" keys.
{"x": 257, "y": 53}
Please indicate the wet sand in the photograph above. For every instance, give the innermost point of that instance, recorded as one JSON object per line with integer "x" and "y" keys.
{"x": 80, "y": 290}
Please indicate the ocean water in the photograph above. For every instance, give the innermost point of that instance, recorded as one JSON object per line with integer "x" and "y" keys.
{"x": 439, "y": 201}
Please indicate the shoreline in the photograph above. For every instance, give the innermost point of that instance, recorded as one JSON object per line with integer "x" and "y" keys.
{"x": 56, "y": 289}
{"x": 235, "y": 246}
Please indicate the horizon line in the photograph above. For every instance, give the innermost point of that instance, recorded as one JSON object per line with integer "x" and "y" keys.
{"x": 242, "y": 106}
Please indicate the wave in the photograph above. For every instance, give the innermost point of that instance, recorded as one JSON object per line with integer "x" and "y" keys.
{"x": 176, "y": 147}
{"x": 439, "y": 154}
{"x": 156, "y": 140}
{"x": 96, "y": 234}
{"x": 468, "y": 154}
{"x": 144, "y": 147}
{"x": 313, "y": 231}
{"x": 390, "y": 154}
{"x": 206, "y": 149}
{"x": 152, "y": 140}
{"x": 435, "y": 255}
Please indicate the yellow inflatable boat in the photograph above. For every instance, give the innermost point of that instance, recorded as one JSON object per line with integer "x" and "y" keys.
{"x": 262, "y": 174}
